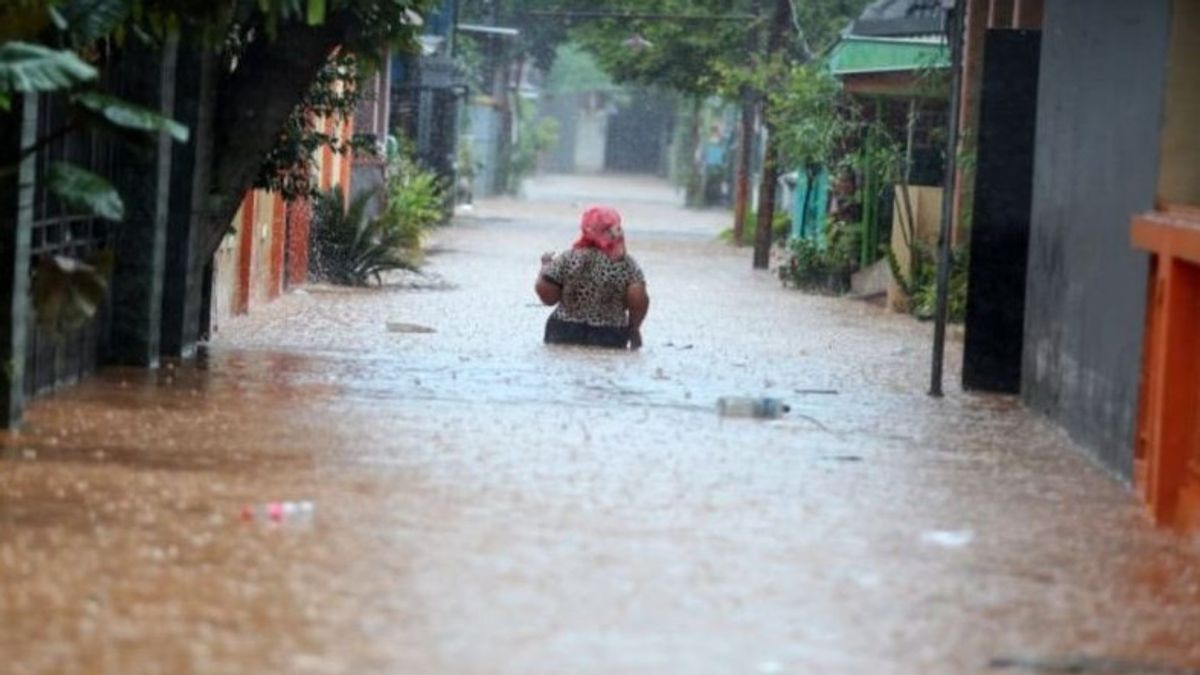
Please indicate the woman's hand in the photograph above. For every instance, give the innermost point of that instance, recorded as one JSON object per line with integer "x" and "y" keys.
{"x": 638, "y": 303}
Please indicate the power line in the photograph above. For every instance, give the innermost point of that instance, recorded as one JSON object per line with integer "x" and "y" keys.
{"x": 645, "y": 16}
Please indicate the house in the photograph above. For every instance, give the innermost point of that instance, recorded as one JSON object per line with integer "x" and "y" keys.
{"x": 266, "y": 251}
{"x": 1087, "y": 120}
{"x": 582, "y": 98}
{"x": 892, "y": 63}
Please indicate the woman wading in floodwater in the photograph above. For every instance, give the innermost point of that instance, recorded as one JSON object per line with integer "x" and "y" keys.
{"x": 599, "y": 289}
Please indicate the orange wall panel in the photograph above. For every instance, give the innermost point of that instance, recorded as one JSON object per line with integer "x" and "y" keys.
{"x": 347, "y": 159}
{"x": 299, "y": 224}
{"x": 241, "y": 303}
{"x": 278, "y": 239}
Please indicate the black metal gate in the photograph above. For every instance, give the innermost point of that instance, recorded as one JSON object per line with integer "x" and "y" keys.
{"x": 54, "y": 357}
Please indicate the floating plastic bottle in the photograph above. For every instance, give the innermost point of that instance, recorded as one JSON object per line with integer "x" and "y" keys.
{"x": 761, "y": 407}
{"x": 278, "y": 512}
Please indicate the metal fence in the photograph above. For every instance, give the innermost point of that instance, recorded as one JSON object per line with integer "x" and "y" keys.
{"x": 55, "y": 357}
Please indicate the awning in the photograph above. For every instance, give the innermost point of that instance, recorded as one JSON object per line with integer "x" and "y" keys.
{"x": 854, "y": 55}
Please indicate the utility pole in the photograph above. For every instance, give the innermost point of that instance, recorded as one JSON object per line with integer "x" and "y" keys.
{"x": 741, "y": 190}
{"x": 954, "y": 19}
{"x": 781, "y": 24}
{"x": 501, "y": 86}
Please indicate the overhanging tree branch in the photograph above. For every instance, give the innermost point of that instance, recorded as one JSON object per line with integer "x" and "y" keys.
{"x": 255, "y": 101}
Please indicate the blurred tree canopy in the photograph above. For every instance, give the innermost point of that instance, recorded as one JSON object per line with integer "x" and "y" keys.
{"x": 680, "y": 45}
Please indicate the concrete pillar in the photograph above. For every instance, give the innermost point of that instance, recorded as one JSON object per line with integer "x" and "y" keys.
{"x": 146, "y": 77}
{"x": 18, "y": 128}
{"x": 190, "y": 181}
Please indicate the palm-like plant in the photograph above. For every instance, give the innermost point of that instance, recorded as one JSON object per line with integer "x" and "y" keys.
{"x": 349, "y": 248}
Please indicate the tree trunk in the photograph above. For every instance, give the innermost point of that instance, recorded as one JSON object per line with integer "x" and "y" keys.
{"x": 766, "y": 203}
{"x": 741, "y": 193}
{"x": 516, "y": 174}
{"x": 776, "y": 43}
{"x": 504, "y": 108}
{"x": 254, "y": 102}
{"x": 695, "y": 184}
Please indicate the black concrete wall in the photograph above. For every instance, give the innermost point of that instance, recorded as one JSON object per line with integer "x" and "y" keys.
{"x": 1095, "y": 165}
{"x": 1003, "y": 191}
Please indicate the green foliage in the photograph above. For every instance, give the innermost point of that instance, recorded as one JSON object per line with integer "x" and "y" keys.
{"x": 924, "y": 296}
{"x": 683, "y": 55}
{"x": 349, "y": 248}
{"x": 535, "y": 136}
{"x": 86, "y": 21}
{"x": 920, "y": 285}
{"x": 46, "y": 47}
{"x": 576, "y": 71}
{"x": 26, "y": 67}
{"x": 920, "y": 270}
{"x": 378, "y": 23}
{"x": 85, "y": 191}
{"x": 128, "y": 116}
{"x": 539, "y": 36}
{"x": 67, "y": 293}
{"x": 291, "y": 165}
{"x": 814, "y": 121}
{"x": 781, "y": 227}
{"x": 815, "y": 268}
{"x": 415, "y": 204}
{"x": 811, "y": 117}
{"x": 824, "y": 267}
{"x": 315, "y": 15}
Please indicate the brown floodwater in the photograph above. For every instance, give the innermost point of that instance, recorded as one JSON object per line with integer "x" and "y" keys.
{"x": 485, "y": 504}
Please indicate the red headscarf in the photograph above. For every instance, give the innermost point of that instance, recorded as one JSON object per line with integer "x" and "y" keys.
{"x": 601, "y": 229}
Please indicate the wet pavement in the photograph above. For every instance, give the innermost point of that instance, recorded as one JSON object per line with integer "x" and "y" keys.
{"x": 484, "y": 504}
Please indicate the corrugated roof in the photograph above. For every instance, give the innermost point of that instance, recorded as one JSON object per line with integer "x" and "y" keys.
{"x": 894, "y": 18}
{"x": 859, "y": 55}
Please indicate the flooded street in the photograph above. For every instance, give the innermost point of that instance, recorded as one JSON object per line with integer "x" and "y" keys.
{"x": 484, "y": 504}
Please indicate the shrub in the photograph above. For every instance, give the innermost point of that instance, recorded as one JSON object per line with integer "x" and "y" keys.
{"x": 349, "y": 248}
{"x": 924, "y": 297}
{"x": 535, "y": 137}
{"x": 824, "y": 268}
{"x": 415, "y": 203}
{"x": 781, "y": 227}
{"x": 814, "y": 268}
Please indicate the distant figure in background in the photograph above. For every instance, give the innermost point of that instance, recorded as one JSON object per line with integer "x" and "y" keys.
{"x": 714, "y": 167}
{"x": 599, "y": 289}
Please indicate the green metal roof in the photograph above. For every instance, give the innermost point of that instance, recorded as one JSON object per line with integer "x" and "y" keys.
{"x": 857, "y": 55}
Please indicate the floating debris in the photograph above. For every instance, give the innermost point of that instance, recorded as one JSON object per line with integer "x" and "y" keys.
{"x": 748, "y": 406}
{"x": 948, "y": 538}
{"x": 400, "y": 327}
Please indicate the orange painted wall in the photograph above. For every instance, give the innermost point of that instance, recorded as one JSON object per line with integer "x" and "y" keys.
{"x": 346, "y": 161}
{"x": 245, "y": 234}
{"x": 278, "y": 241}
{"x": 269, "y": 252}
{"x": 299, "y": 223}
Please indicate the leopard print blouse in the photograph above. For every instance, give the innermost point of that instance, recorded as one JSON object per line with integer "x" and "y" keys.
{"x": 593, "y": 286}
